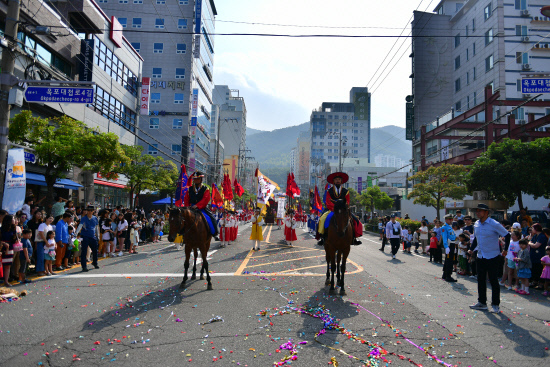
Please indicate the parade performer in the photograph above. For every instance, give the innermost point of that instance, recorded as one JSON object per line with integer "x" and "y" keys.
{"x": 256, "y": 236}
{"x": 337, "y": 192}
{"x": 291, "y": 224}
{"x": 198, "y": 198}
{"x": 224, "y": 230}
{"x": 235, "y": 228}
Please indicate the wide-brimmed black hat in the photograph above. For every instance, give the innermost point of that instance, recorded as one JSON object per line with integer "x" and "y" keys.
{"x": 198, "y": 174}
{"x": 483, "y": 207}
{"x": 342, "y": 175}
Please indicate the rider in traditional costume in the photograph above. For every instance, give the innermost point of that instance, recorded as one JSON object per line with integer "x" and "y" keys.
{"x": 198, "y": 197}
{"x": 257, "y": 235}
{"x": 335, "y": 193}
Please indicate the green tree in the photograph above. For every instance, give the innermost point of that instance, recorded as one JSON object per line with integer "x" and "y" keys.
{"x": 437, "y": 183}
{"x": 503, "y": 170}
{"x": 146, "y": 172}
{"x": 354, "y": 198}
{"x": 62, "y": 143}
{"x": 245, "y": 198}
{"x": 374, "y": 198}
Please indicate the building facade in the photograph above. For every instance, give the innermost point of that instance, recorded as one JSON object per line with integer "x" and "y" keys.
{"x": 459, "y": 50}
{"x": 177, "y": 61}
{"x": 89, "y": 51}
{"x": 341, "y": 130}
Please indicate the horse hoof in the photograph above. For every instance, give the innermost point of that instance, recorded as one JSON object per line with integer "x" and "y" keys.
{"x": 202, "y": 277}
{"x": 343, "y": 292}
{"x": 327, "y": 282}
{"x": 332, "y": 291}
{"x": 209, "y": 287}
{"x": 193, "y": 277}
{"x": 182, "y": 285}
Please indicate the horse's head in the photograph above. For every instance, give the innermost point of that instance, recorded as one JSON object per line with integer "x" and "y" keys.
{"x": 341, "y": 217}
{"x": 175, "y": 222}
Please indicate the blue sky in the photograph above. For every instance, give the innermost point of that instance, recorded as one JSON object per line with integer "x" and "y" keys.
{"x": 283, "y": 79}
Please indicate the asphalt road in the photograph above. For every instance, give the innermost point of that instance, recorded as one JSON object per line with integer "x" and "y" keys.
{"x": 132, "y": 312}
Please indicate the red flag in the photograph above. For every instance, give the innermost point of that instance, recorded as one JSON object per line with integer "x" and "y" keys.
{"x": 288, "y": 191}
{"x": 182, "y": 186}
{"x": 226, "y": 186}
{"x": 238, "y": 188}
{"x": 318, "y": 203}
{"x": 217, "y": 200}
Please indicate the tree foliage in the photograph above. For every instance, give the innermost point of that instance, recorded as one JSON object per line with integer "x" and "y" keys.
{"x": 63, "y": 143}
{"x": 510, "y": 168}
{"x": 146, "y": 172}
{"x": 437, "y": 183}
{"x": 374, "y": 198}
{"x": 245, "y": 198}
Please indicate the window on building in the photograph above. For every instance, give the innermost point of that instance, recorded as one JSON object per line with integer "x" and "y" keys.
{"x": 180, "y": 73}
{"x": 467, "y": 102}
{"x": 518, "y": 85}
{"x": 474, "y": 49}
{"x": 473, "y": 25}
{"x": 475, "y": 75}
{"x": 153, "y": 149}
{"x": 136, "y": 22}
{"x": 522, "y": 57}
{"x": 457, "y": 62}
{"x": 475, "y": 98}
{"x": 137, "y": 46}
{"x": 159, "y": 23}
{"x": 520, "y": 4}
{"x": 181, "y": 48}
{"x": 103, "y": 1}
{"x": 114, "y": 110}
{"x": 177, "y": 123}
{"x": 178, "y": 98}
{"x": 123, "y": 22}
{"x": 467, "y": 31}
{"x": 157, "y": 72}
{"x": 457, "y": 85}
{"x": 176, "y": 149}
{"x": 182, "y": 23}
{"x": 492, "y": 85}
{"x": 114, "y": 67}
{"x": 458, "y": 106}
{"x": 467, "y": 78}
{"x": 184, "y": 2}
{"x": 519, "y": 113}
{"x": 488, "y": 36}
{"x": 155, "y": 98}
{"x": 488, "y": 11}
{"x": 154, "y": 123}
{"x": 489, "y": 63}
{"x": 521, "y": 30}
{"x": 467, "y": 54}
{"x": 158, "y": 48}
{"x": 457, "y": 40}
{"x": 161, "y": 2}
{"x": 123, "y": 1}
{"x": 138, "y": 1}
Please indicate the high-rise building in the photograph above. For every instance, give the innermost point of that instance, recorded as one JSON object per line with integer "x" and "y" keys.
{"x": 342, "y": 130}
{"x": 460, "y": 49}
{"x": 303, "y": 156}
{"x": 175, "y": 37}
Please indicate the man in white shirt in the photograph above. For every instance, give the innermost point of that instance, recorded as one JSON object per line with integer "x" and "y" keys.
{"x": 393, "y": 232}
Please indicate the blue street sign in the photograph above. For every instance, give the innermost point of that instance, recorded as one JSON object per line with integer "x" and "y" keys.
{"x": 60, "y": 94}
{"x": 30, "y": 157}
{"x": 535, "y": 85}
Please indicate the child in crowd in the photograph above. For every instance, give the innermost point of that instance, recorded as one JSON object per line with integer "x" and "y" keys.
{"x": 381, "y": 228}
{"x": 433, "y": 246}
{"x": 25, "y": 256}
{"x": 523, "y": 261}
{"x": 70, "y": 249}
{"x": 408, "y": 241}
{"x": 108, "y": 237}
{"x": 416, "y": 240}
{"x": 134, "y": 237}
{"x": 404, "y": 237}
{"x": 546, "y": 272}
{"x": 510, "y": 269}
{"x": 49, "y": 252}
{"x": 463, "y": 244}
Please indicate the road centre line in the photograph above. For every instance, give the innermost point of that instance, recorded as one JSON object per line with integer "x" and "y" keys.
{"x": 248, "y": 256}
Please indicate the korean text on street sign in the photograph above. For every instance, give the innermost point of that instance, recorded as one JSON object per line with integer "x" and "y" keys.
{"x": 535, "y": 85}
{"x": 145, "y": 94}
{"x": 60, "y": 94}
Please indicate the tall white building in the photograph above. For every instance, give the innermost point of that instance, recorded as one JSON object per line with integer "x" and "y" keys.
{"x": 464, "y": 46}
{"x": 383, "y": 160}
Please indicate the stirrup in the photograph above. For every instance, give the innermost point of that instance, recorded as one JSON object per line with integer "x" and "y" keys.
{"x": 356, "y": 242}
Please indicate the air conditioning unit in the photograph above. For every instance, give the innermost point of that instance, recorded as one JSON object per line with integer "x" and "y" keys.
{"x": 524, "y": 39}
{"x": 524, "y": 13}
{"x": 520, "y": 122}
{"x": 526, "y": 67}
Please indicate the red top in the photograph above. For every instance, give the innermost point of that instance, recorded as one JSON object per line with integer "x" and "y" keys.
{"x": 202, "y": 203}
{"x": 330, "y": 203}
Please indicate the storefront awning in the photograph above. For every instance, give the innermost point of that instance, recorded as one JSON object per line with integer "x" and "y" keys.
{"x": 62, "y": 183}
{"x": 107, "y": 183}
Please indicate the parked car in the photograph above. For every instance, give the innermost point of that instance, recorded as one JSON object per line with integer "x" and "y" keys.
{"x": 538, "y": 216}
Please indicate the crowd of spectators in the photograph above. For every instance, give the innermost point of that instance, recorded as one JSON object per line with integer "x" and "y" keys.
{"x": 39, "y": 242}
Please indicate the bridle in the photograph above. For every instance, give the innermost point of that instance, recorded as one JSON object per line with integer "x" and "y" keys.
{"x": 182, "y": 231}
{"x": 345, "y": 227}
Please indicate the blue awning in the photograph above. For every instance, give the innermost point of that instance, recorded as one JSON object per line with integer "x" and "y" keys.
{"x": 62, "y": 183}
{"x": 162, "y": 201}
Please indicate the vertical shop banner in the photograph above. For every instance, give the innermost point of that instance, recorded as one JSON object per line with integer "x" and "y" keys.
{"x": 359, "y": 184}
{"x": 145, "y": 95}
{"x": 193, "y": 127}
{"x": 444, "y": 149}
{"x": 198, "y": 26}
{"x": 281, "y": 202}
{"x": 16, "y": 181}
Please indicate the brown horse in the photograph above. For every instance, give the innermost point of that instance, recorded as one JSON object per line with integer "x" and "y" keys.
{"x": 337, "y": 245}
{"x": 190, "y": 224}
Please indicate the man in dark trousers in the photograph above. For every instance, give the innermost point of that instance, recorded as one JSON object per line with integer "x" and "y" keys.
{"x": 448, "y": 235}
{"x": 88, "y": 233}
{"x": 487, "y": 232}
{"x": 198, "y": 197}
{"x": 393, "y": 232}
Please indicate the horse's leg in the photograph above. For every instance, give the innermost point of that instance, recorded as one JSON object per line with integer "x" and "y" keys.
{"x": 338, "y": 257}
{"x": 205, "y": 262}
{"x": 195, "y": 254}
{"x": 185, "y": 265}
{"x": 327, "y": 281}
{"x": 203, "y": 268}
{"x": 344, "y": 259}
{"x": 332, "y": 270}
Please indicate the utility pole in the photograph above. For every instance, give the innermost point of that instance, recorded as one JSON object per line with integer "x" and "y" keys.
{"x": 8, "y": 65}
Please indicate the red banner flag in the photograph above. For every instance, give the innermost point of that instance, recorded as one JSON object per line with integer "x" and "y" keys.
{"x": 238, "y": 188}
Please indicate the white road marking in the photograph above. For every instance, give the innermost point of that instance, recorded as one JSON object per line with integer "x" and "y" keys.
{"x": 160, "y": 249}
